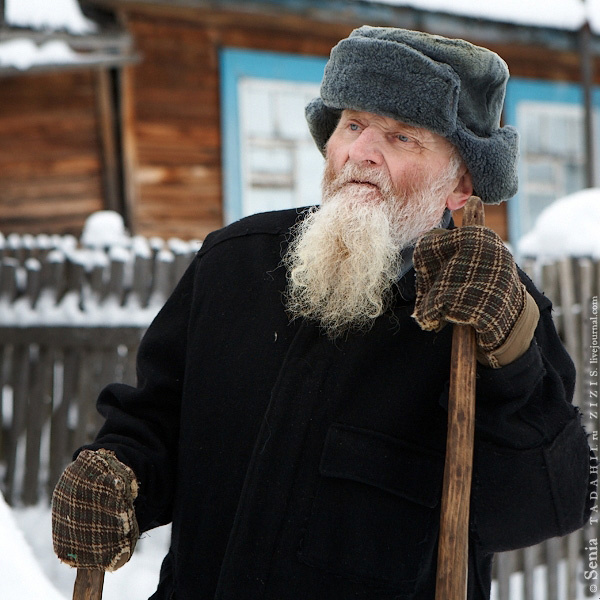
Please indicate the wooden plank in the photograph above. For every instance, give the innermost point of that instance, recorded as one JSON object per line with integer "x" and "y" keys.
{"x": 8, "y": 279}
{"x": 51, "y": 170}
{"x": 129, "y": 147}
{"x": 163, "y": 279}
{"x": 30, "y": 166}
{"x": 61, "y": 447}
{"x": 108, "y": 141}
{"x": 20, "y": 381}
{"x": 38, "y": 412}
{"x": 573, "y": 563}
{"x": 66, "y": 337}
{"x": 86, "y": 394}
{"x": 114, "y": 290}
{"x": 130, "y": 371}
{"x": 5, "y": 369}
{"x": 529, "y": 563}
{"x": 20, "y": 192}
{"x": 553, "y": 557}
{"x": 142, "y": 280}
{"x": 504, "y": 563}
{"x": 569, "y": 318}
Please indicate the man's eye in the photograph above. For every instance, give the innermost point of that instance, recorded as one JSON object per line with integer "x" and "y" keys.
{"x": 354, "y": 127}
{"x": 403, "y": 138}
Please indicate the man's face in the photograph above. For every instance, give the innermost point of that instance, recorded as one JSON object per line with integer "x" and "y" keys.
{"x": 407, "y": 155}
{"x": 384, "y": 185}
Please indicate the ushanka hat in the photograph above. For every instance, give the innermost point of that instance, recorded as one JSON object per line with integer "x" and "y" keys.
{"x": 451, "y": 87}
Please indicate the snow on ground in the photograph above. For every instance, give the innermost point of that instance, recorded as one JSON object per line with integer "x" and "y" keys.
{"x": 31, "y": 571}
{"x": 22, "y": 575}
{"x": 569, "y": 226}
{"x": 29, "y": 564}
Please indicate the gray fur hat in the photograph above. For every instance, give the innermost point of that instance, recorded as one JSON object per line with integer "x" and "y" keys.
{"x": 450, "y": 87}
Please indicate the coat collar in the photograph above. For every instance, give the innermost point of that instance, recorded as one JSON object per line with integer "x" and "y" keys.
{"x": 406, "y": 285}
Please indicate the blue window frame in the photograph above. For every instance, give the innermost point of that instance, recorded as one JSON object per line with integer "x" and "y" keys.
{"x": 239, "y": 64}
{"x": 549, "y": 117}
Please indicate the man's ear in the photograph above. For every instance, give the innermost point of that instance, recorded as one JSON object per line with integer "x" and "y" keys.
{"x": 462, "y": 192}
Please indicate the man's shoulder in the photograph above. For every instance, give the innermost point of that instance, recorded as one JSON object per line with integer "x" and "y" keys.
{"x": 274, "y": 223}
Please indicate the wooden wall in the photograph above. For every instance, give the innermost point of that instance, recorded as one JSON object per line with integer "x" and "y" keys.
{"x": 50, "y": 147}
{"x": 50, "y": 170}
{"x": 177, "y": 110}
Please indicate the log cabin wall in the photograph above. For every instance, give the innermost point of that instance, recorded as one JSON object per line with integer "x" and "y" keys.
{"x": 177, "y": 110}
{"x": 50, "y": 166}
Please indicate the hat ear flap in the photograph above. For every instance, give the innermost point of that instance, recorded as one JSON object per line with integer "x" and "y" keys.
{"x": 492, "y": 162}
{"x": 322, "y": 122}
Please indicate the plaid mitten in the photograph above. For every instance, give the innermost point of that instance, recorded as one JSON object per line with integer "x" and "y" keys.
{"x": 93, "y": 520}
{"x": 467, "y": 276}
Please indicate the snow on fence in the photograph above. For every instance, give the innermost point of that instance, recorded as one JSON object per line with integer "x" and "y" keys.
{"x": 71, "y": 319}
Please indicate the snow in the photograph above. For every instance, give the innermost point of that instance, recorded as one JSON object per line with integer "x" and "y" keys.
{"x": 23, "y": 54}
{"x": 105, "y": 228}
{"x": 29, "y": 564}
{"x": 22, "y": 574}
{"x": 568, "y": 227}
{"x": 31, "y": 571}
{"x": 560, "y": 14}
{"x": 58, "y": 15}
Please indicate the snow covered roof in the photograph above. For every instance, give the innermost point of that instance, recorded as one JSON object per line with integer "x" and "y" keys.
{"x": 58, "y": 15}
{"x": 559, "y": 14}
{"x": 38, "y": 35}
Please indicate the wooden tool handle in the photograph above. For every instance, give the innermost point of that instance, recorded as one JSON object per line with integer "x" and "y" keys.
{"x": 88, "y": 584}
{"x": 453, "y": 548}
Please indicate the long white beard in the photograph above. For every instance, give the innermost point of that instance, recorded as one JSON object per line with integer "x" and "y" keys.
{"x": 345, "y": 257}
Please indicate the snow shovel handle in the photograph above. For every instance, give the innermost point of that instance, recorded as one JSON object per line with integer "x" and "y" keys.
{"x": 453, "y": 547}
{"x": 88, "y": 584}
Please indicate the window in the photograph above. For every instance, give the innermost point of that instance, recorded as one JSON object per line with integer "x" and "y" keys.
{"x": 552, "y": 155}
{"x": 550, "y": 120}
{"x": 270, "y": 161}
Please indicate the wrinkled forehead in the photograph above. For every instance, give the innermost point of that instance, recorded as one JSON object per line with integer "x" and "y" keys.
{"x": 391, "y": 125}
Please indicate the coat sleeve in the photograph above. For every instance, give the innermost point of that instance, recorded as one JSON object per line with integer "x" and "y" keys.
{"x": 142, "y": 422}
{"x": 532, "y": 463}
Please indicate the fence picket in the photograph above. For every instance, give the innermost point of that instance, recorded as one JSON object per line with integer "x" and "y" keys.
{"x": 553, "y": 558}
{"x": 60, "y": 438}
{"x": 529, "y": 564}
{"x": 38, "y": 413}
{"x": 20, "y": 377}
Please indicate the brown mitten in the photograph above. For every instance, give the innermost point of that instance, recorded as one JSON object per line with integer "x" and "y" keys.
{"x": 467, "y": 276}
{"x": 93, "y": 519}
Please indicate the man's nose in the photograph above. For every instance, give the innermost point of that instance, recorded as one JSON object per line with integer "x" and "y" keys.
{"x": 366, "y": 148}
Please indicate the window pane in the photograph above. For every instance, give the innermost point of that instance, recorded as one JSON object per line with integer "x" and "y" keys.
{"x": 281, "y": 166}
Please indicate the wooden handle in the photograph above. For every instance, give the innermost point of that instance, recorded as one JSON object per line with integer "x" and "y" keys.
{"x": 453, "y": 548}
{"x": 88, "y": 584}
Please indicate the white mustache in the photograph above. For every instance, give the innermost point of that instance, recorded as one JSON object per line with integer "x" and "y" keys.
{"x": 352, "y": 174}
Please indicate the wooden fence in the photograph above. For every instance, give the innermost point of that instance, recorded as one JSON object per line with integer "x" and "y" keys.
{"x": 71, "y": 319}
{"x": 70, "y": 322}
{"x": 560, "y": 565}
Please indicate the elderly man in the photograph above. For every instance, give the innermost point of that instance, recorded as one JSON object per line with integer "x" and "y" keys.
{"x": 290, "y": 414}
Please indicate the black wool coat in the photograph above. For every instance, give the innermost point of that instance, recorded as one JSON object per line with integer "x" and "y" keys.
{"x": 294, "y": 467}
